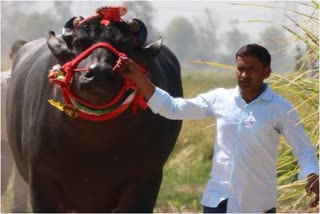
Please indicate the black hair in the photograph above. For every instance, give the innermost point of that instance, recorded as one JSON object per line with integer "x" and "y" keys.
{"x": 258, "y": 51}
{"x": 16, "y": 45}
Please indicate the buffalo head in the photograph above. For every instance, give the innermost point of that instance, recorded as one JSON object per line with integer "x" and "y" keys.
{"x": 97, "y": 83}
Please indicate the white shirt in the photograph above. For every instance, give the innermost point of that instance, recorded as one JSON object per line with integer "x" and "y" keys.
{"x": 244, "y": 161}
{"x": 5, "y": 77}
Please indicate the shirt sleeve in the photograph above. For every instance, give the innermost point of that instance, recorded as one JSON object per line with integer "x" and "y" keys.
{"x": 178, "y": 108}
{"x": 302, "y": 148}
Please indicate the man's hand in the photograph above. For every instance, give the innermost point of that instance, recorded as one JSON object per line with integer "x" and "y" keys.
{"x": 129, "y": 69}
{"x": 313, "y": 186}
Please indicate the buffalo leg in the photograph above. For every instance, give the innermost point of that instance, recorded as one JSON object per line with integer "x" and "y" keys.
{"x": 45, "y": 194}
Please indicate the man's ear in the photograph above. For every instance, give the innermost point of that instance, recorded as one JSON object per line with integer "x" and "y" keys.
{"x": 267, "y": 72}
{"x": 59, "y": 48}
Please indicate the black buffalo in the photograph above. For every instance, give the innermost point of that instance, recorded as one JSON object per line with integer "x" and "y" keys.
{"x": 74, "y": 164}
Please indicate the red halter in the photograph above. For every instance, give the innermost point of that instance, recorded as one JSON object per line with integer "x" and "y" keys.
{"x": 63, "y": 77}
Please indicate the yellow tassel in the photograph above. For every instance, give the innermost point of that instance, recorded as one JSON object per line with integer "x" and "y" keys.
{"x": 56, "y": 104}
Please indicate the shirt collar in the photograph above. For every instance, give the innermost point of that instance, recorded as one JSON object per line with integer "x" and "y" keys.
{"x": 266, "y": 95}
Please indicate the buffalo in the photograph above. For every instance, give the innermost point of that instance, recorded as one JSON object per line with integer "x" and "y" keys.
{"x": 81, "y": 134}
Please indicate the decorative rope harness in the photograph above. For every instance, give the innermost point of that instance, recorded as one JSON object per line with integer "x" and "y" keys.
{"x": 76, "y": 107}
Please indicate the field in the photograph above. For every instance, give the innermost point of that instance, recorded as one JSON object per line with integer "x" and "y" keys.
{"x": 187, "y": 170}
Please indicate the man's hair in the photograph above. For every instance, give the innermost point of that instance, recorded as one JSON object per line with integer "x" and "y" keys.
{"x": 258, "y": 51}
{"x": 16, "y": 45}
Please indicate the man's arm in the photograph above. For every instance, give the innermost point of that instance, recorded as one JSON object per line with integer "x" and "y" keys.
{"x": 304, "y": 151}
{"x": 160, "y": 101}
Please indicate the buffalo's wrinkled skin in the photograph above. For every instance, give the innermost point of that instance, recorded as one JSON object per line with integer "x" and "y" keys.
{"x": 76, "y": 165}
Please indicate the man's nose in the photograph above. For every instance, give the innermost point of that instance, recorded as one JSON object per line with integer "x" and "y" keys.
{"x": 243, "y": 74}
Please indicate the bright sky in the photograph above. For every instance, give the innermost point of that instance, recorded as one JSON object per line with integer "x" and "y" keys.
{"x": 223, "y": 11}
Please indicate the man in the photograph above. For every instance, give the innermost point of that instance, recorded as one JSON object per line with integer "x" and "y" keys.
{"x": 250, "y": 119}
{"x": 5, "y": 75}
{"x": 7, "y": 163}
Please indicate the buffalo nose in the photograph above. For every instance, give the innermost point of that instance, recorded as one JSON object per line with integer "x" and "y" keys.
{"x": 93, "y": 66}
{"x": 99, "y": 71}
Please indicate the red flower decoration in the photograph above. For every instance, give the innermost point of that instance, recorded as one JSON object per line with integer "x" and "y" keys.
{"x": 111, "y": 13}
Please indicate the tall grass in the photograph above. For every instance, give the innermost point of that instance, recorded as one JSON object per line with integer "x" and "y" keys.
{"x": 303, "y": 93}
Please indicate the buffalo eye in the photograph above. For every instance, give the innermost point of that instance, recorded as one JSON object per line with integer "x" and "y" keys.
{"x": 76, "y": 44}
{"x": 85, "y": 26}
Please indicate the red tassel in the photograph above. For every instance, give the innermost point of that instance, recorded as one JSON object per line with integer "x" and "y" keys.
{"x": 112, "y": 14}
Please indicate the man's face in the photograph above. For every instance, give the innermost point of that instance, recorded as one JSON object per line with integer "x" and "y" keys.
{"x": 251, "y": 73}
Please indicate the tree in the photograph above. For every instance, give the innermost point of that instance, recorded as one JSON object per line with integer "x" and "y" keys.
{"x": 233, "y": 40}
{"x": 181, "y": 37}
{"x": 275, "y": 40}
{"x": 206, "y": 29}
{"x": 63, "y": 10}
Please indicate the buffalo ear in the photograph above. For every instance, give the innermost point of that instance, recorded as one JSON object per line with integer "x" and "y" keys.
{"x": 59, "y": 48}
{"x": 68, "y": 30}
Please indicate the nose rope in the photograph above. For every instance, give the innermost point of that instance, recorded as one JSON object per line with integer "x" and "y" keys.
{"x": 62, "y": 76}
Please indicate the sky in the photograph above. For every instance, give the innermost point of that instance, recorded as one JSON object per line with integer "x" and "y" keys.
{"x": 226, "y": 12}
